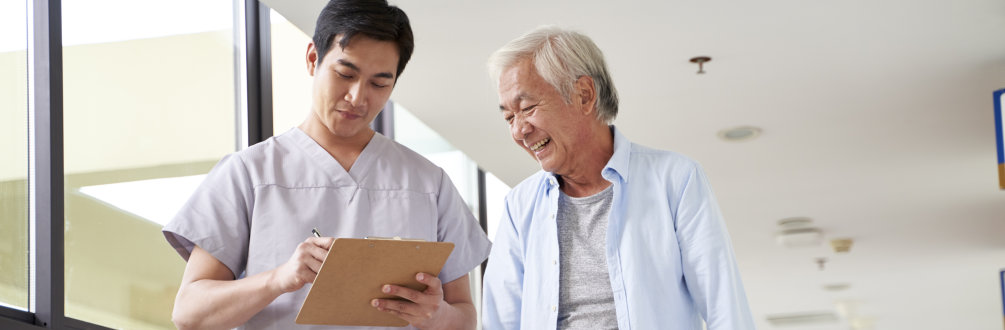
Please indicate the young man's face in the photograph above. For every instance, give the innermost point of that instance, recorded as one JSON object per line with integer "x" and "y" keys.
{"x": 352, "y": 84}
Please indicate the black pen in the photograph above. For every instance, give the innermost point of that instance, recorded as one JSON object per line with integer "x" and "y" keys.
{"x": 316, "y": 233}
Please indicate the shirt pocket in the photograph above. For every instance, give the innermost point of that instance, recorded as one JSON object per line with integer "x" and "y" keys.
{"x": 402, "y": 213}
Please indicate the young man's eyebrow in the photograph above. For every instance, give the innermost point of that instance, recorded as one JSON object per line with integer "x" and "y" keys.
{"x": 348, "y": 64}
{"x": 352, "y": 66}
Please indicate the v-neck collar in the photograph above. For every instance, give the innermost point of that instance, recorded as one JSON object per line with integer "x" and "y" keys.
{"x": 339, "y": 176}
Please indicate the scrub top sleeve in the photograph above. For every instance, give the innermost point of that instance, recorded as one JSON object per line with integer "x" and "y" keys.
{"x": 217, "y": 216}
{"x": 457, "y": 225}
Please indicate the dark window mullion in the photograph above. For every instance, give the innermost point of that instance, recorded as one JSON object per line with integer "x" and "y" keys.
{"x": 259, "y": 70}
{"x": 483, "y": 210}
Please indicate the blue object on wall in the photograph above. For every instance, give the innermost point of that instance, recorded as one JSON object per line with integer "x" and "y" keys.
{"x": 1000, "y": 136}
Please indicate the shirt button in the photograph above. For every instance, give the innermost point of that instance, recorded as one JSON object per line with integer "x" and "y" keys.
{"x": 554, "y": 262}
{"x": 553, "y": 308}
{"x": 552, "y": 217}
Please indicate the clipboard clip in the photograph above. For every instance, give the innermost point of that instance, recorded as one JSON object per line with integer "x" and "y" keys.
{"x": 395, "y": 238}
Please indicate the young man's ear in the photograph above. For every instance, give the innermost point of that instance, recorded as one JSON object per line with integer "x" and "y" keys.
{"x": 585, "y": 94}
{"x": 312, "y": 58}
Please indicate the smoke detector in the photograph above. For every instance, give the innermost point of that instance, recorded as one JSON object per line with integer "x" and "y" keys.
{"x": 798, "y": 232}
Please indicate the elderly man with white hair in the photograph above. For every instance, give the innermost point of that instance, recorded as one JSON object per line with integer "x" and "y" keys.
{"x": 609, "y": 234}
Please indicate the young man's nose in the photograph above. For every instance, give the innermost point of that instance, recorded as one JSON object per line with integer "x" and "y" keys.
{"x": 355, "y": 94}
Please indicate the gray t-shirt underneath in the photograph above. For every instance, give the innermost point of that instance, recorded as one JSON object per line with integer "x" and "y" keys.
{"x": 586, "y": 300}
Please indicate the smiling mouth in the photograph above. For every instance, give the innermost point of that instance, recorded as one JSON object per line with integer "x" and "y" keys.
{"x": 539, "y": 145}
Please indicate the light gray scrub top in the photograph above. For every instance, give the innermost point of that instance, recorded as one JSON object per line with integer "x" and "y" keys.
{"x": 256, "y": 205}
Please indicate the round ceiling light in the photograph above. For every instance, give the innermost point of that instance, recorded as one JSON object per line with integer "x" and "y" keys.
{"x": 834, "y": 287}
{"x": 741, "y": 133}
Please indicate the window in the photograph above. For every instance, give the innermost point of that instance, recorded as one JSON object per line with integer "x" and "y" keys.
{"x": 412, "y": 133}
{"x": 495, "y": 195}
{"x": 149, "y": 107}
{"x": 14, "y": 152}
{"x": 291, "y": 91}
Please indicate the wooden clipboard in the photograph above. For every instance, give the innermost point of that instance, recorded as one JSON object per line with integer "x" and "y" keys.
{"x": 354, "y": 272}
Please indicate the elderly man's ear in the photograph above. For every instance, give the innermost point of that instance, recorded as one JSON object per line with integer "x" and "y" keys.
{"x": 586, "y": 94}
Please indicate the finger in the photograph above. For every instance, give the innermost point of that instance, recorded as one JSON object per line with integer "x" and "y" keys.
{"x": 305, "y": 256}
{"x": 402, "y": 307}
{"x": 408, "y": 294}
{"x": 409, "y": 318}
{"x": 312, "y": 264}
{"x": 322, "y": 242}
{"x": 411, "y": 295}
{"x": 307, "y": 275}
{"x": 434, "y": 286}
{"x": 311, "y": 249}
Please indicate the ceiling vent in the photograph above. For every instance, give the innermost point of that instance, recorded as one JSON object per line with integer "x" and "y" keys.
{"x": 802, "y": 319}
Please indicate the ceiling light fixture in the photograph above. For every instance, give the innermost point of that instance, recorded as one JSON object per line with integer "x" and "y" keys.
{"x": 701, "y": 62}
{"x": 741, "y": 133}
{"x": 841, "y": 245}
{"x": 798, "y": 232}
{"x": 835, "y": 287}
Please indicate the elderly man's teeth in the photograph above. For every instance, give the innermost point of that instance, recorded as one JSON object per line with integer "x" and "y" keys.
{"x": 538, "y": 145}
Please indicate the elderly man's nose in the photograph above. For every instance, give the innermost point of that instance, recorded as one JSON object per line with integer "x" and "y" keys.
{"x": 521, "y": 127}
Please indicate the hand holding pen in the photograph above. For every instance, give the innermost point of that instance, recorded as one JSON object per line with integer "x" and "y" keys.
{"x": 303, "y": 265}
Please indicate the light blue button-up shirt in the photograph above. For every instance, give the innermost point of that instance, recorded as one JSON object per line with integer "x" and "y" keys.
{"x": 669, "y": 257}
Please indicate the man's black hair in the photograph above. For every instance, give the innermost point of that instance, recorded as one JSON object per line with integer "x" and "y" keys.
{"x": 372, "y": 18}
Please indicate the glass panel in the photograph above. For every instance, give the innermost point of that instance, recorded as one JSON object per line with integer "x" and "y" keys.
{"x": 14, "y": 152}
{"x": 149, "y": 106}
{"x": 495, "y": 195}
{"x": 412, "y": 133}
{"x": 291, "y": 84}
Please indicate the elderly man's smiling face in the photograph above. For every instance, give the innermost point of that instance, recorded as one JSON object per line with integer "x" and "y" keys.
{"x": 540, "y": 120}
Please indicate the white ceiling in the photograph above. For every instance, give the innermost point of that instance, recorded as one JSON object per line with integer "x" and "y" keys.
{"x": 877, "y": 119}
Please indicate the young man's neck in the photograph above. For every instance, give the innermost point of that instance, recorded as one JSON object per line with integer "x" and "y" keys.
{"x": 345, "y": 150}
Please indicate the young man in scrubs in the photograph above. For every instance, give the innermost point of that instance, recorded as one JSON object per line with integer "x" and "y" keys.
{"x": 246, "y": 232}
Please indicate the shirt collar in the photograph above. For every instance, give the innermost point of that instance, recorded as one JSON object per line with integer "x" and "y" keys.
{"x": 617, "y": 166}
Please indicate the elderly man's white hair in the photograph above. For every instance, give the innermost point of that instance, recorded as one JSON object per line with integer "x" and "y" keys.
{"x": 560, "y": 57}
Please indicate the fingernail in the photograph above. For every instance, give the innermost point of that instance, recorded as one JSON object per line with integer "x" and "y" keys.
{"x": 374, "y": 303}
{"x": 419, "y": 277}
{"x": 387, "y": 289}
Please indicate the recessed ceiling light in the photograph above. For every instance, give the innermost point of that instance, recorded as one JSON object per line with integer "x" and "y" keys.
{"x": 741, "y": 133}
{"x": 834, "y": 287}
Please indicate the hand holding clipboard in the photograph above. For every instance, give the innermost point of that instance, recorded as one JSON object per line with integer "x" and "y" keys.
{"x": 356, "y": 270}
